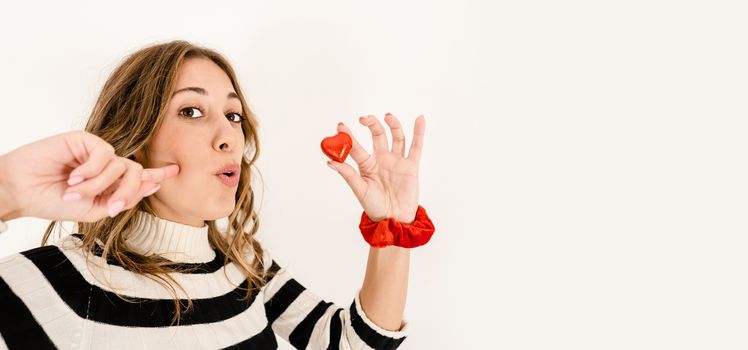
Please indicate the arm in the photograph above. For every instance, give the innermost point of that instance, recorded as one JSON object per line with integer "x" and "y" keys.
{"x": 386, "y": 186}
{"x": 305, "y": 320}
{"x": 385, "y": 287}
{"x": 8, "y": 209}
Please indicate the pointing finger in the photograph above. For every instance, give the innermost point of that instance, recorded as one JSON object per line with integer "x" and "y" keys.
{"x": 126, "y": 194}
{"x": 101, "y": 182}
{"x": 160, "y": 174}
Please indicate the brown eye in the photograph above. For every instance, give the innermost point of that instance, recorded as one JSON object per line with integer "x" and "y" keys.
{"x": 190, "y": 112}
{"x": 235, "y": 117}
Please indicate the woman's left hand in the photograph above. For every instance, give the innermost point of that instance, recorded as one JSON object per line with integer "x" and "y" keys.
{"x": 387, "y": 186}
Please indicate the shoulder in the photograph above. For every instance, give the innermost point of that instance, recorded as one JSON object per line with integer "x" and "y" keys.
{"x": 270, "y": 263}
{"x": 38, "y": 254}
{"x": 32, "y": 271}
{"x": 45, "y": 262}
{"x": 34, "y": 283}
{"x": 9, "y": 262}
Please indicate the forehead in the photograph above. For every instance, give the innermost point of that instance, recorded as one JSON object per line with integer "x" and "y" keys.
{"x": 204, "y": 73}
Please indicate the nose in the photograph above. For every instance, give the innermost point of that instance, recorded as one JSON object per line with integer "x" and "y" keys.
{"x": 226, "y": 138}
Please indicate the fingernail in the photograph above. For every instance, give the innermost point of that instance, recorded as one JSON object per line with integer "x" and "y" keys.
{"x": 72, "y": 196}
{"x": 331, "y": 167}
{"x": 116, "y": 207}
{"x": 388, "y": 113}
{"x": 152, "y": 191}
{"x": 75, "y": 180}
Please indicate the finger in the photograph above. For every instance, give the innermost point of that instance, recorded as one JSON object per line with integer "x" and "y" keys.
{"x": 418, "y": 134}
{"x": 127, "y": 193}
{"x": 357, "y": 152}
{"x": 398, "y": 138}
{"x": 160, "y": 174}
{"x": 148, "y": 188}
{"x": 96, "y": 155}
{"x": 101, "y": 182}
{"x": 101, "y": 209}
{"x": 378, "y": 135}
{"x": 355, "y": 182}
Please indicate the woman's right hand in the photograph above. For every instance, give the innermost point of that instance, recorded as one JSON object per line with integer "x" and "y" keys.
{"x": 43, "y": 177}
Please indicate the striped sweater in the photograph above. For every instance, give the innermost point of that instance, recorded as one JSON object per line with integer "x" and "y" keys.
{"x": 50, "y": 297}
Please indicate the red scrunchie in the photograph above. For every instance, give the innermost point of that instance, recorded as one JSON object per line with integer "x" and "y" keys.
{"x": 391, "y": 232}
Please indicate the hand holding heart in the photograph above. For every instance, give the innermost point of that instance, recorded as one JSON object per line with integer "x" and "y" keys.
{"x": 387, "y": 186}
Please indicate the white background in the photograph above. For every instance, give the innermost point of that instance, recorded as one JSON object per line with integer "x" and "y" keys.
{"x": 584, "y": 161}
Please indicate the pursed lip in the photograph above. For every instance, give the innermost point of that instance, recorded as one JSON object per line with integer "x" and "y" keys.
{"x": 232, "y": 168}
{"x": 229, "y": 174}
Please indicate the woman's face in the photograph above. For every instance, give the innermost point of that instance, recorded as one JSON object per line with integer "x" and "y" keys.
{"x": 202, "y": 133}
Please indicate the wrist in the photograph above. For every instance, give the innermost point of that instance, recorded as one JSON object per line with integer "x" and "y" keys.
{"x": 406, "y": 219}
{"x": 8, "y": 207}
{"x": 392, "y": 232}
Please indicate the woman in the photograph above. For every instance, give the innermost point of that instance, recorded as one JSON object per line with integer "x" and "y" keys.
{"x": 165, "y": 154}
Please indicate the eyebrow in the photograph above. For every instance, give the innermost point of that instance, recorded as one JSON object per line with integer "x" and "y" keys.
{"x": 202, "y": 91}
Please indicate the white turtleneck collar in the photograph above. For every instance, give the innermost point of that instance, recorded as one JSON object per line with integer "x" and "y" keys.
{"x": 171, "y": 240}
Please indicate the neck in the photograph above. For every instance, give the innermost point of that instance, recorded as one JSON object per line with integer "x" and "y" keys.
{"x": 170, "y": 239}
{"x": 166, "y": 212}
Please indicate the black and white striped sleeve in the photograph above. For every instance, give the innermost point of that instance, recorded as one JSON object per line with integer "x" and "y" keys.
{"x": 308, "y": 322}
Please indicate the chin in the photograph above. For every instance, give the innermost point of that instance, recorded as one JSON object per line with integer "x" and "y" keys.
{"x": 220, "y": 212}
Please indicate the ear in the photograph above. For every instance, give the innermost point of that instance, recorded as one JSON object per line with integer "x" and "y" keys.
{"x": 137, "y": 156}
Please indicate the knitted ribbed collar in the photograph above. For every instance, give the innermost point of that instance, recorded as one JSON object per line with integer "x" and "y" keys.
{"x": 171, "y": 240}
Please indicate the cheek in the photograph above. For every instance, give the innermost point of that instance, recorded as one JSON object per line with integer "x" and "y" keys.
{"x": 188, "y": 148}
{"x": 194, "y": 162}
{"x": 175, "y": 146}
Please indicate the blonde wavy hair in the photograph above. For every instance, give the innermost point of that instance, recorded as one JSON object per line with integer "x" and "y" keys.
{"x": 130, "y": 108}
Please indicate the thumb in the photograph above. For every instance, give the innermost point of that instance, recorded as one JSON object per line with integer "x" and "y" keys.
{"x": 356, "y": 183}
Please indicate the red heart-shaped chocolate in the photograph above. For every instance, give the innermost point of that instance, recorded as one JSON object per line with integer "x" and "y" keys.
{"x": 337, "y": 147}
